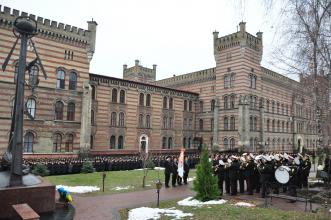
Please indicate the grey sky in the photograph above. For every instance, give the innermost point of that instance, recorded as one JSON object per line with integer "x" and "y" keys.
{"x": 174, "y": 34}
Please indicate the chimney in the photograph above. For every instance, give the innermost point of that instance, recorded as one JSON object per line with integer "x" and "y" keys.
{"x": 125, "y": 67}
{"x": 136, "y": 62}
{"x": 242, "y": 26}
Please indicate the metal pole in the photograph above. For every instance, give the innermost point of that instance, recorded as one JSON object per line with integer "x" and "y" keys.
{"x": 158, "y": 198}
{"x": 16, "y": 171}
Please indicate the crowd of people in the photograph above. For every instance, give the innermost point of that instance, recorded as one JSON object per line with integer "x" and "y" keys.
{"x": 257, "y": 172}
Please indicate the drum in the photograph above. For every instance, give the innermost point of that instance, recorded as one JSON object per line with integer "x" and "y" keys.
{"x": 282, "y": 174}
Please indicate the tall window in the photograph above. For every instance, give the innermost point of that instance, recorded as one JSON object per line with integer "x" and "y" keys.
{"x": 148, "y": 100}
{"x": 141, "y": 99}
{"x": 112, "y": 142}
{"x": 200, "y": 124}
{"x": 226, "y": 143}
{"x": 58, "y": 110}
{"x": 201, "y": 106}
{"x": 113, "y": 119}
{"x": 28, "y": 142}
{"x": 232, "y": 101}
{"x": 31, "y": 107}
{"x": 226, "y": 102}
{"x": 268, "y": 125}
{"x": 232, "y": 143}
{"x": 165, "y": 102}
{"x": 171, "y": 104}
{"x": 212, "y": 105}
{"x": 70, "y": 143}
{"x": 190, "y": 106}
{"x": 226, "y": 123}
{"x": 190, "y": 123}
{"x": 232, "y": 123}
{"x": 170, "y": 122}
{"x": 255, "y": 123}
{"x": 165, "y": 122}
{"x": 185, "y": 105}
{"x": 189, "y": 143}
{"x": 184, "y": 142}
{"x": 91, "y": 141}
{"x": 33, "y": 75}
{"x": 232, "y": 78}
{"x": 141, "y": 120}
{"x": 255, "y": 143}
{"x": 122, "y": 96}
{"x": 251, "y": 123}
{"x": 164, "y": 142}
{"x": 273, "y": 125}
{"x": 283, "y": 126}
{"x": 148, "y": 121}
{"x": 169, "y": 142}
{"x": 121, "y": 119}
{"x": 71, "y": 112}
{"x": 92, "y": 118}
{"x": 120, "y": 142}
{"x": 278, "y": 126}
{"x": 251, "y": 143}
{"x": 60, "y": 79}
{"x": 227, "y": 81}
{"x": 268, "y": 105}
{"x": 114, "y": 95}
{"x": 73, "y": 81}
{"x": 278, "y": 108}
{"x": 57, "y": 141}
{"x": 93, "y": 92}
{"x": 252, "y": 81}
{"x": 273, "y": 107}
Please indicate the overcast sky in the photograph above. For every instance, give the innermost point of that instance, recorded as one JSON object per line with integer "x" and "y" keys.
{"x": 174, "y": 34}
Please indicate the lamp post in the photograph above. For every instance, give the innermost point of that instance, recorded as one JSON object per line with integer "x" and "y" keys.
{"x": 158, "y": 185}
{"x": 103, "y": 181}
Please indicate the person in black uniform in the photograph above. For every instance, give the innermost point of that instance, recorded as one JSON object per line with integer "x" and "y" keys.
{"x": 249, "y": 174}
{"x": 220, "y": 171}
{"x": 306, "y": 165}
{"x": 233, "y": 175}
{"x": 186, "y": 170}
{"x": 174, "y": 171}
{"x": 266, "y": 172}
{"x": 167, "y": 171}
{"x": 241, "y": 174}
{"x": 226, "y": 175}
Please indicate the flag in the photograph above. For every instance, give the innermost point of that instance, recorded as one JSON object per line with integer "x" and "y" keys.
{"x": 181, "y": 163}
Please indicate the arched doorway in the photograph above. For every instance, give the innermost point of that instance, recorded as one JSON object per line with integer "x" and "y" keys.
{"x": 143, "y": 143}
{"x": 300, "y": 145}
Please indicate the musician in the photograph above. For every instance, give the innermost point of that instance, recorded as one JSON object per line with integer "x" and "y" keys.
{"x": 174, "y": 172}
{"x": 186, "y": 169}
{"x": 220, "y": 170}
{"x": 233, "y": 175}
{"x": 241, "y": 174}
{"x": 227, "y": 174}
{"x": 265, "y": 168}
{"x": 306, "y": 165}
{"x": 249, "y": 173}
{"x": 256, "y": 176}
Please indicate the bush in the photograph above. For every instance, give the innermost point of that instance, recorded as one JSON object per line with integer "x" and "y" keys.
{"x": 150, "y": 164}
{"x": 205, "y": 184}
{"x": 87, "y": 167}
{"x": 40, "y": 170}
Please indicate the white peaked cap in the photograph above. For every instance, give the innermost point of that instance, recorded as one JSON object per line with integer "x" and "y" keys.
{"x": 229, "y": 160}
{"x": 220, "y": 162}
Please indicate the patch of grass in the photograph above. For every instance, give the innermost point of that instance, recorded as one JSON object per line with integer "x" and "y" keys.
{"x": 132, "y": 178}
{"x": 231, "y": 212}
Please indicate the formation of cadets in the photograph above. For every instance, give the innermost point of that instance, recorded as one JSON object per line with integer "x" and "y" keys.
{"x": 258, "y": 172}
{"x": 62, "y": 166}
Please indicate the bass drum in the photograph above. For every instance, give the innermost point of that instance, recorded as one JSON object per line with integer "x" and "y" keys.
{"x": 282, "y": 174}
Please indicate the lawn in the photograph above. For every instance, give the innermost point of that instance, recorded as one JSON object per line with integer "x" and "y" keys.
{"x": 228, "y": 211}
{"x": 132, "y": 179}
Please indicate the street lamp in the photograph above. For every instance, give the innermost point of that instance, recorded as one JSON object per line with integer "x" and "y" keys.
{"x": 158, "y": 186}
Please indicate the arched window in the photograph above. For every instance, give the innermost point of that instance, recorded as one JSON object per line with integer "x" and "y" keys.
{"x": 226, "y": 123}
{"x": 148, "y": 100}
{"x": 28, "y": 142}
{"x": 170, "y": 122}
{"x": 33, "y": 75}
{"x": 60, "y": 79}
{"x": 31, "y": 107}
{"x": 190, "y": 123}
{"x": 268, "y": 105}
{"x": 255, "y": 124}
{"x": 251, "y": 144}
{"x": 70, "y": 143}
{"x": 141, "y": 99}
{"x": 226, "y": 102}
{"x": 251, "y": 123}
{"x": 232, "y": 123}
{"x": 165, "y": 119}
{"x": 283, "y": 126}
{"x": 113, "y": 119}
{"x": 190, "y": 106}
{"x": 112, "y": 142}
{"x": 255, "y": 144}
{"x": 184, "y": 142}
{"x": 122, "y": 96}
{"x": 273, "y": 107}
{"x": 283, "y": 110}
{"x": 273, "y": 125}
{"x": 185, "y": 105}
{"x": 278, "y": 126}
{"x": 57, "y": 142}
{"x": 268, "y": 125}
{"x": 16, "y": 72}
{"x": 232, "y": 143}
{"x": 273, "y": 144}
{"x": 141, "y": 120}
{"x": 226, "y": 143}
{"x": 148, "y": 121}
{"x": 287, "y": 125}
{"x": 92, "y": 117}
{"x": 165, "y": 102}
{"x": 91, "y": 141}
{"x": 232, "y": 101}
{"x": 171, "y": 104}
{"x": 93, "y": 92}
{"x": 201, "y": 106}
{"x": 58, "y": 110}
{"x": 120, "y": 142}
{"x": 114, "y": 95}
{"x": 200, "y": 124}
{"x": 71, "y": 112}
{"x": 169, "y": 142}
{"x": 212, "y": 105}
{"x": 121, "y": 119}
{"x": 164, "y": 142}
{"x": 189, "y": 143}
{"x": 73, "y": 81}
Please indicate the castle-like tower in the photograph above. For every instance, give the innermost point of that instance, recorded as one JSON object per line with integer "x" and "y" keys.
{"x": 139, "y": 73}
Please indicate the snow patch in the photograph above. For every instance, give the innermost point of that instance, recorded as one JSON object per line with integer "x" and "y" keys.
{"x": 155, "y": 213}
{"x": 79, "y": 189}
{"x": 190, "y": 179}
{"x": 119, "y": 188}
{"x": 193, "y": 202}
{"x": 159, "y": 168}
{"x": 245, "y": 204}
